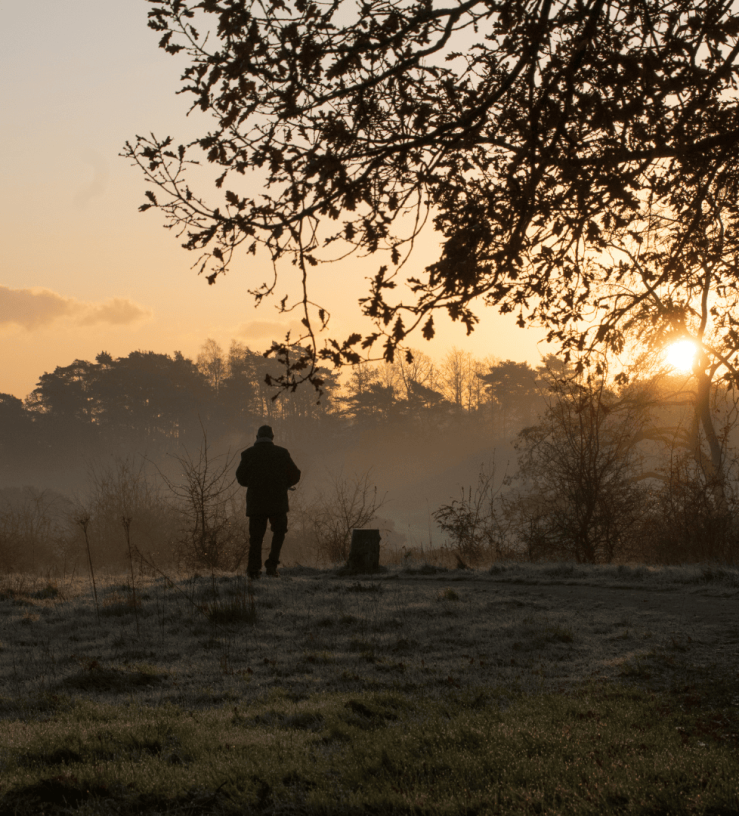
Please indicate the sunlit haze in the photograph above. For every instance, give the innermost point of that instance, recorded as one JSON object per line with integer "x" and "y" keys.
{"x": 82, "y": 270}
{"x": 680, "y": 355}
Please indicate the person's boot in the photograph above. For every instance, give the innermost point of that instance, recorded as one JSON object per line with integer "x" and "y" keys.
{"x": 254, "y": 561}
{"x": 254, "y": 570}
{"x": 271, "y": 569}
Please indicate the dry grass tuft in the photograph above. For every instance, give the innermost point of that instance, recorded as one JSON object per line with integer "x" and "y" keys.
{"x": 448, "y": 595}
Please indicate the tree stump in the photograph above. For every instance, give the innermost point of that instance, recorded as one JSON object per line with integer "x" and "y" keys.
{"x": 364, "y": 555}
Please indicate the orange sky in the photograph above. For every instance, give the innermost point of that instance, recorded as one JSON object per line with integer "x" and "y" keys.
{"x": 81, "y": 270}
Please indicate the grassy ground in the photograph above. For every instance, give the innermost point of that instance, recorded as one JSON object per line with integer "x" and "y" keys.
{"x": 315, "y": 694}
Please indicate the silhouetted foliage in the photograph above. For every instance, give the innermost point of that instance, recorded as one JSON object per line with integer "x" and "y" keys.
{"x": 375, "y": 401}
{"x": 515, "y": 391}
{"x": 573, "y": 159}
{"x": 578, "y": 468}
{"x": 16, "y": 439}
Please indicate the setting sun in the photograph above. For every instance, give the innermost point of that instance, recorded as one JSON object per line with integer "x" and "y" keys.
{"x": 680, "y": 355}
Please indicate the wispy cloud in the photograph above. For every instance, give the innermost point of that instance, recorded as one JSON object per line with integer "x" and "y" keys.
{"x": 265, "y": 330}
{"x": 96, "y": 187}
{"x": 118, "y": 311}
{"x": 37, "y": 308}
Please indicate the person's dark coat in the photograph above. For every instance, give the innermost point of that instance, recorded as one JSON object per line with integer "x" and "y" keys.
{"x": 266, "y": 471}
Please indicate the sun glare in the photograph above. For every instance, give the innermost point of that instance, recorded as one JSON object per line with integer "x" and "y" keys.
{"x": 680, "y": 355}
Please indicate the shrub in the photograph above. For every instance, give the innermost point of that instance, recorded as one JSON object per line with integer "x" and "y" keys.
{"x": 35, "y": 533}
{"x": 125, "y": 489}
{"x": 326, "y": 523}
{"x": 689, "y": 519}
{"x": 478, "y": 531}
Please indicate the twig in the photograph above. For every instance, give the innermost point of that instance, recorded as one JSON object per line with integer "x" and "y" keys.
{"x": 84, "y": 521}
{"x": 126, "y": 521}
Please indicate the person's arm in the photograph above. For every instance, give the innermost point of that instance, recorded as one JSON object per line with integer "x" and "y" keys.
{"x": 292, "y": 472}
{"x": 242, "y": 471}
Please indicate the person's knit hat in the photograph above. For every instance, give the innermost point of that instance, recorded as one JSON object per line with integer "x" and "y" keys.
{"x": 265, "y": 430}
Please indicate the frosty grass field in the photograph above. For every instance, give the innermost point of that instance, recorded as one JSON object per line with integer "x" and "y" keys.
{"x": 525, "y": 688}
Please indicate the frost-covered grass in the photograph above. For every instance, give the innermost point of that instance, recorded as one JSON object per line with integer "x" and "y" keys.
{"x": 610, "y": 574}
{"x": 600, "y": 750}
{"x": 546, "y": 688}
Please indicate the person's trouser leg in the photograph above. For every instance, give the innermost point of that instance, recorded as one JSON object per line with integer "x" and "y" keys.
{"x": 257, "y": 529}
{"x": 278, "y": 525}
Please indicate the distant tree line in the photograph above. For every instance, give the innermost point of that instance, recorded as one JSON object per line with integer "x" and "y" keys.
{"x": 153, "y": 402}
{"x": 608, "y": 469}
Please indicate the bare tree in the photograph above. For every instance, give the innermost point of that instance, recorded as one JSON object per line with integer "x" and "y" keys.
{"x": 459, "y": 377}
{"x": 349, "y": 503}
{"x": 453, "y": 376}
{"x": 416, "y": 368}
{"x": 212, "y": 533}
{"x": 213, "y": 363}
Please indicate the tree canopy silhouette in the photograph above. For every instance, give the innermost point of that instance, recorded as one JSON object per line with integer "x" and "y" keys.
{"x": 546, "y": 141}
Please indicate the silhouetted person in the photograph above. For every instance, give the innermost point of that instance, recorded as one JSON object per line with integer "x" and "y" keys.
{"x": 266, "y": 471}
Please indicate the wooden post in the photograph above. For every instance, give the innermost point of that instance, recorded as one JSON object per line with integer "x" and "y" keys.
{"x": 364, "y": 555}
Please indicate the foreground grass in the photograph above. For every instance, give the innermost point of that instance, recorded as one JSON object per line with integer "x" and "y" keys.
{"x": 603, "y": 749}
